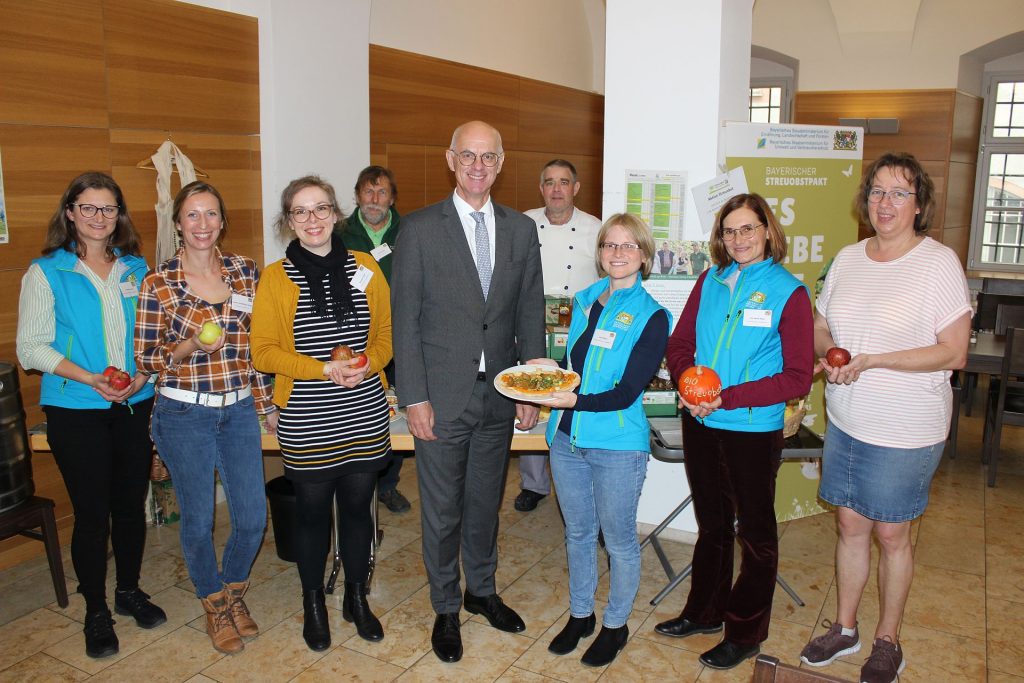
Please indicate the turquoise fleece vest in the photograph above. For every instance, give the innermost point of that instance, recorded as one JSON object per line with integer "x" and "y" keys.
{"x": 735, "y": 345}
{"x": 626, "y": 315}
{"x": 79, "y": 328}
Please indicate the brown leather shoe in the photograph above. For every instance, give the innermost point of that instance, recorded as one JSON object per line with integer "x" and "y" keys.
{"x": 219, "y": 625}
{"x": 239, "y": 612}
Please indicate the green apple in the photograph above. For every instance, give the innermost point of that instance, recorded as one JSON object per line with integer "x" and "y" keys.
{"x": 210, "y": 333}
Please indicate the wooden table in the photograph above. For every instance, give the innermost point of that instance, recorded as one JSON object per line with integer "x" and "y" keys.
{"x": 986, "y": 356}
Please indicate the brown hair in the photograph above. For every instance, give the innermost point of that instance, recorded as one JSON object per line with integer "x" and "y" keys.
{"x": 911, "y": 169}
{"x": 61, "y": 232}
{"x": 199, "y": 187}
{"x": 288, "y": 195}
{"x": 371, "y": 175}
{"x": 638, "y": 230}
{"x": 775, "y": 248}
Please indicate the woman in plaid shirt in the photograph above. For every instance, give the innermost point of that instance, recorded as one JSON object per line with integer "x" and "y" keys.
{"x": 209, "y": 395}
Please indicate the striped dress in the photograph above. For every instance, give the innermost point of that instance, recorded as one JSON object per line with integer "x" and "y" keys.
{"x": 328, "y": 430}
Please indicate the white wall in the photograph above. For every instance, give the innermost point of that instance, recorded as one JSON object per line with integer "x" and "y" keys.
{"x": 880, "y": 44}
{"x": 307, "y": 47}
{"x": 558, "y": 41}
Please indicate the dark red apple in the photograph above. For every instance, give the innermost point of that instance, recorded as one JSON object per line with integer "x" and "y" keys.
{"x": 118, "y": 379}
{"x": 359, "y": 360}
{"x": 837, "y": 357}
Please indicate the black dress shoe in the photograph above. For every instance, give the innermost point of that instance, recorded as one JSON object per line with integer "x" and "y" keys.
{"x": 135, "y": 603}
{"x": 726, "y": 655}
{"x": 681, "y": 627}
{"x": 606, "y": 646}
{"x": 100, "y": 639}
{"x": 355, "y": 608}
{"x": 316, "y": 628}
{"x": 446, "y": 638}
{"x": 569, "y": 637}
{"x": 497, "y": 613}
{"x": 527, "y": 500}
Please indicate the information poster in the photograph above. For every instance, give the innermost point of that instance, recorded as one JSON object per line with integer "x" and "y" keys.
{"x": 658, "y": 198}
{"x": 809, "y": 175}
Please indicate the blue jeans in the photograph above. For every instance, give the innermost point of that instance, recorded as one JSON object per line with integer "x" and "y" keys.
{"x": 600, "y": 489}
{"x": 194, "y": 441}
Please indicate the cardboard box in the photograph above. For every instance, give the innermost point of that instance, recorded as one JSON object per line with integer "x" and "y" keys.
{"x": 660, "y": 404}
{"x": 557, "y": 340}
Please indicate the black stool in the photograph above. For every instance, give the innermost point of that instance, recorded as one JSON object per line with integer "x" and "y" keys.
{"x": 24, "y": 519}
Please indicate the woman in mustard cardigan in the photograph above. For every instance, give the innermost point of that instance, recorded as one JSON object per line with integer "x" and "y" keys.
{"x": 333, "y": 428}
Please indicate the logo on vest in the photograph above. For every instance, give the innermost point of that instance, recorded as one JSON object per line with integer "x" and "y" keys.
{"x": 623, "y": 320}
{"x": 758, "y": 298}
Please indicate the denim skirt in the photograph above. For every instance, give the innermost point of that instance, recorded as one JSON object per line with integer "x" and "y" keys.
{"x": 881, "y": 483}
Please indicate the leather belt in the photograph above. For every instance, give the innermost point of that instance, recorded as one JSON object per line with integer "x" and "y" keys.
{"x": 208, "y": 400}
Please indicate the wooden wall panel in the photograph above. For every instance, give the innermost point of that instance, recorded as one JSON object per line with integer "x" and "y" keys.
{"x": 51, "y": 63}
{"x": 967, "y": 113}
{"x": 232, "y": 162}
{"x": 178, "y": 67}
{"x": 416, "y": 102}
{"x": 420, "y": 100}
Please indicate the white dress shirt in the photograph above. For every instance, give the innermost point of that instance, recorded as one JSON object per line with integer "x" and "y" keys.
{"x": 469, "y": 227}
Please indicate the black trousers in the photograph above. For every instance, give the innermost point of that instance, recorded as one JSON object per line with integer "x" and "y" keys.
{"x": 354, "y": 492}
{"x": 104, "y": 457}
{"x": 732, "y": 478}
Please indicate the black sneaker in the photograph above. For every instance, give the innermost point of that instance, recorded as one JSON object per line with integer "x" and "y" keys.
{"x": 135, "y": 603}
{"x": 100, "y": 639}
{"x": 527, "y": 500}
{"x": 394, "y": 501}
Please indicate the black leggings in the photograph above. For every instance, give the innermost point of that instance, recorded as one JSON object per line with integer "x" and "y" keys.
{"x": 313, "y": 502}
{"x": 104, "y": 456}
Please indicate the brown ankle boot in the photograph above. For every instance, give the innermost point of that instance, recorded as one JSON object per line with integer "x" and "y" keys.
{"x": 239, "y": 612}
{"x": 219, "y": 625}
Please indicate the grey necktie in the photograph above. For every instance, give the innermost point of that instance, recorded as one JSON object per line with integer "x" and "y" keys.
{"x": 483, "y": 252}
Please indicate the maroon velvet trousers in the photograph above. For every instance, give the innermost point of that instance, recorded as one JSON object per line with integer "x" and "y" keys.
{"x": 732, "y": 478}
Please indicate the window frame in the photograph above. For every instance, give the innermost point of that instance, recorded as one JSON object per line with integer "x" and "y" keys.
{"x": 785, "y": 100}
{"x": 989, "y": 145}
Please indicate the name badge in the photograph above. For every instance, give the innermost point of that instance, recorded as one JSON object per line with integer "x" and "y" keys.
{"x": 241, "y": 302}
{"x": 756, "y": 317}
{"x": 603, "y": 338}
{"x": 128, "y": 289}
{"x": 381, "y": 251}
{"x": 362, "y": 278}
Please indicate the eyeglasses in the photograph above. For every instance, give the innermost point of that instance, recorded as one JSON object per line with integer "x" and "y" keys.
{"x": 301, "y": 214}
{"x": 897, "y": 197}
{"x": 89, "y": 210}
{"x": 744, "y": 231}
{"x": 468, "y": 158}
{"x": 625, "y": 246}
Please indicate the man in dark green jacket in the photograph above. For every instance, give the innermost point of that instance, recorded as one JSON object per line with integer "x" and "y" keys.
{"x": 373, "y": 228}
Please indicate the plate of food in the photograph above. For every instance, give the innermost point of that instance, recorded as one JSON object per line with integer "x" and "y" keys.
{"x": 534, "y": 383}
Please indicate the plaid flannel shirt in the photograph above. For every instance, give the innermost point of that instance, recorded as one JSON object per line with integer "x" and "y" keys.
{"x": 169, "y": 313}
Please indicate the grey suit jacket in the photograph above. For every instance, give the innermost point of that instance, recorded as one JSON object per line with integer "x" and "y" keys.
{"x": 440, "y": 321}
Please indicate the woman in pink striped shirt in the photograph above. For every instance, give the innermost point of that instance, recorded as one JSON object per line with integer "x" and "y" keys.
{"x": 898, "y": 303}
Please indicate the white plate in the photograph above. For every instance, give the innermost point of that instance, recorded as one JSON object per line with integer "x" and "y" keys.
{"x": 526, "y": 398}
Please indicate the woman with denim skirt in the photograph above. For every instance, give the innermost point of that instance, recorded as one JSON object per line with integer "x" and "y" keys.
{"x": 205, "y": 418}
{"x": 600, "y": 439}
{"x": 749, "y": 320}
{"x": 76, "y": 318}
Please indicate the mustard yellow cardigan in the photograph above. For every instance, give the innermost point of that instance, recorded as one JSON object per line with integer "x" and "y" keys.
{"x": 272, "y": 337}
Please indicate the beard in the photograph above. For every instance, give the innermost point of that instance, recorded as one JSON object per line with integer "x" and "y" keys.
{"x": 374, "y": 214}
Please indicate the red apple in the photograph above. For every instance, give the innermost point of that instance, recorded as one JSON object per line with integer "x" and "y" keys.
{"x": 837, "y": 357}
{"x": 119, "y": 380}
{"x": 342, "y": 352}
{"x": 359, "y": 360}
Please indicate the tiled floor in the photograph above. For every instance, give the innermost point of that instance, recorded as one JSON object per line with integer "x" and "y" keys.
{"x": 963, "y": 623}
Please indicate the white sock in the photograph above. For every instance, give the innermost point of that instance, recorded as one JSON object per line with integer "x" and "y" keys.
{"x": 850, "y": 631}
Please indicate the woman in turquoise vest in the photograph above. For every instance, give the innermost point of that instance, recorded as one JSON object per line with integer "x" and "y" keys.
{"x": 749, "y": 320}
{"x": 600, "y": 439}
{"x": 76, "y": 318}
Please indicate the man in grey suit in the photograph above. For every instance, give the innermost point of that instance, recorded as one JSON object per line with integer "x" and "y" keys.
{"x": 467, "y": 302}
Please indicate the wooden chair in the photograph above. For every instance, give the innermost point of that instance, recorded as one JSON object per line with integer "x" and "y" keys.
{"x": 986, "y": 317}
{"x": 1009, "y": 315}
{"x": 24, "y": 519}
{"x": 768, "y": 669}
{"x": 999, "y": 410}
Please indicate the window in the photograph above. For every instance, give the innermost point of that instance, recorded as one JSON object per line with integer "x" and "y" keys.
{"x": 770, "y": 98}
{"x": 997, "y": 240}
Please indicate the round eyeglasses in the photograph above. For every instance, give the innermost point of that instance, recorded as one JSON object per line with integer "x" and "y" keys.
{"x": 744, "y": 231}
{"x": 897, "y": 197}
{"x": 301, "y": 214}
{"x": 89, "y": 210}
{"x": 467, "y": 158}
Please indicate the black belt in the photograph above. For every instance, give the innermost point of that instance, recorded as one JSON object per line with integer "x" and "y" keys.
{"x": 481, "y": 377}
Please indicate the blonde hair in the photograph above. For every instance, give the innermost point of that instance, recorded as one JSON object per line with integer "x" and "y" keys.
{"x": 638, "y": 230}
